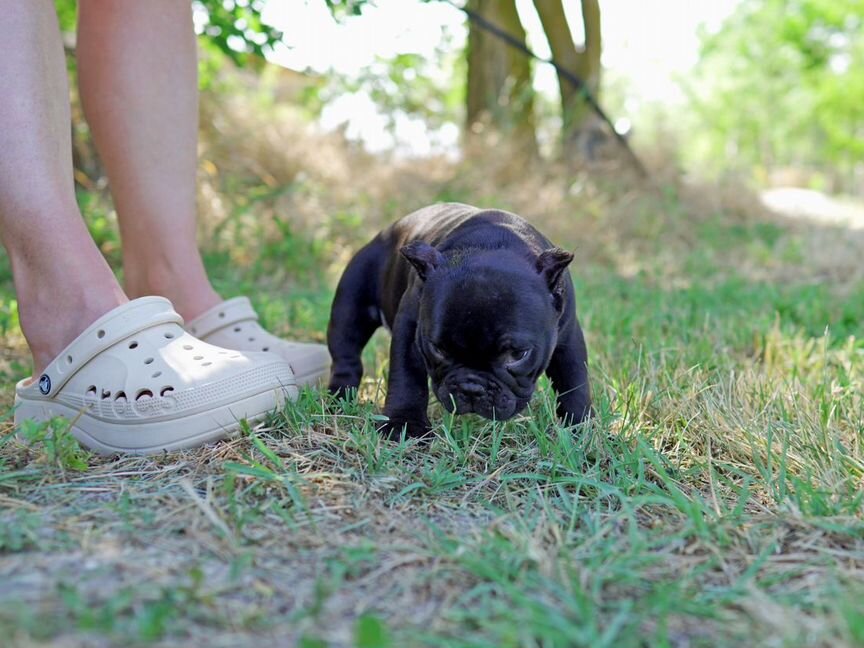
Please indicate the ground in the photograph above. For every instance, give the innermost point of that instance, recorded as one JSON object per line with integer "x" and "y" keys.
{"x": 716, "y": 500}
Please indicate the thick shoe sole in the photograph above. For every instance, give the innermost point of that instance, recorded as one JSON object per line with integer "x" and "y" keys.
{"x": 136, "y": 438}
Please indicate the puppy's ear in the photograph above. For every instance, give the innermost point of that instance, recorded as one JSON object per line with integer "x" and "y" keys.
{"x": 423, "y": 257}
{"x": 551, "y": 264}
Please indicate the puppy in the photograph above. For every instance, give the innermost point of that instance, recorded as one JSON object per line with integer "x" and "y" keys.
{"x": 478, "y": 301}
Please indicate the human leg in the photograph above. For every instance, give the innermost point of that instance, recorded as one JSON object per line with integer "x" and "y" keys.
{"x": 125, "y": 374}
{"x": 138, "y": 80}
{"x": 62, "y": 281}
{"x": 137, "y": 70}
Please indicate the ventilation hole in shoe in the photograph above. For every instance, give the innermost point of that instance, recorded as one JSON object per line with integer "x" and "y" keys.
{"x": 148, "y": 361}
{"x": 222, "y": 315}
{"x": 265, "y": 348}
{"x": 106, "y": 394}
{"x": 100, "y": 334}
{"x": 91, "y": 391}
{"x": 143, "y": 393}
{"x": 188, "y": 347}
{"x": 165, "y": 390}
{"x": 169, "y": 335}
{"x": 236, "y": 355}
{"x": 198, "y": 358}
{"x": 133, "y": 344}
{"x": 156, "y": 375}
{"x": 206, "y": 364}
{"x": 251, "y": 339}
{"x": 237, "y": 329}
{"x": 223, "y": 353}
{"x": 68, "y": 359}
{"x": 121, "y": 395}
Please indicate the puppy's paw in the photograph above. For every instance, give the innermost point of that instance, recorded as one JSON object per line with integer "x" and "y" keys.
{"x": 393, "y": 428}
{"x": 340, "y": 399}
{"x": 576, "y": 415}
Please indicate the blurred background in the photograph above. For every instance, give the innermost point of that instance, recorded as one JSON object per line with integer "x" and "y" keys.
{"x": 766, "y": 93}
{"x": 768, "y": 89}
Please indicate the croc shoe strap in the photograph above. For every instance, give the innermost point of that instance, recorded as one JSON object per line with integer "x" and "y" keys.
{"x": 115, "y": 326}
{"x": 228, "y": 313}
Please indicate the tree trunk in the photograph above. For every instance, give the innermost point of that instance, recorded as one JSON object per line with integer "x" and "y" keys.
{"x": 500, "y": 94}
{"x": 585, "y": 62}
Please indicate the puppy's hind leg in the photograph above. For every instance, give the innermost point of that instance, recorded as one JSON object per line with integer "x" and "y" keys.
{"x": 354, "y": 317}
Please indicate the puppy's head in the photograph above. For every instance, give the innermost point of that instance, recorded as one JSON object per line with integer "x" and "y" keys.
{"x": 487, "y": 324}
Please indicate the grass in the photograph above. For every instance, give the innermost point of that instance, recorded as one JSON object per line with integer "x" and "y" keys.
{"x": 715, "y": 501}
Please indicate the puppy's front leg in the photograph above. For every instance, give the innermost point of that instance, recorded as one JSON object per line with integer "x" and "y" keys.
{"x": 568, "y": 370}
{"x": 408, "y": 386}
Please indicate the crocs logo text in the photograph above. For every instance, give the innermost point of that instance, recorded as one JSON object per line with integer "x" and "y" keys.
{"x": 45, "y": 384}
{"x": 144, "y": 407}
{"x": 122, "y": 407}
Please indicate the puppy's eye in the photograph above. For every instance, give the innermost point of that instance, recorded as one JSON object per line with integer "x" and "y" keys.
{"x": 513, "y": 357}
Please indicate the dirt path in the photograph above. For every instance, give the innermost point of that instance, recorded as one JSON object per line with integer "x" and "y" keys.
{"x": 815, "y": 207}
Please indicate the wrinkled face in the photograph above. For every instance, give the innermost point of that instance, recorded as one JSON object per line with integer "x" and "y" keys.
{"x": 486, "y": 337}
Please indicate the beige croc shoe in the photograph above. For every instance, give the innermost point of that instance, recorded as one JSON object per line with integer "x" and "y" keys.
{"x": 136, "y": 382}
{"x": 233, "y": 324}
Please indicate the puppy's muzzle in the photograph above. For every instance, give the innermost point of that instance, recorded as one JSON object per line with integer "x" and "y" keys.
{"x": 463, "y": 394}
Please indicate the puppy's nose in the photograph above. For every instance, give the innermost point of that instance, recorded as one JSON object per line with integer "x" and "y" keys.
{"x": 472, "y": 389}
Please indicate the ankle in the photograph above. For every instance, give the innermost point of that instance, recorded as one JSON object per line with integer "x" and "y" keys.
{"x": 185, "y": 285}
{"x": 55, "y": 304}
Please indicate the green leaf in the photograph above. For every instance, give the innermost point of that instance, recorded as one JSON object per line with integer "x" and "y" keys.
{"x": 311, "y": 642}
{"x": 370, "y": 632}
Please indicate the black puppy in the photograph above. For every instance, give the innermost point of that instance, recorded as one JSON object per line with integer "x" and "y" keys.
{"x": 489, "y": 308}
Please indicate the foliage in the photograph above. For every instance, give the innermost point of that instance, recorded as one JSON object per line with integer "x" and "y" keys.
{"x": 67, "y": 14}
{"x": 780, "y": 84}
{"x": 406, "y": 84}
{"x": 55, "y": 440}
{"x": 342, "y": 8}
{"x": 234, "y": 27}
